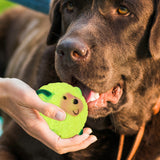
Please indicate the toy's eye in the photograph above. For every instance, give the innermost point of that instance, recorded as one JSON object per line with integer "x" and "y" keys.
{"x": 122, "y": 10}
{"x": 75, "y": 101}
{"x": 70, "y": 7}
{"x": 64, "y": 97}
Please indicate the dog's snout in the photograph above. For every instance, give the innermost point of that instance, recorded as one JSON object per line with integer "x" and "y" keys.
{"x": 74, "y": 48}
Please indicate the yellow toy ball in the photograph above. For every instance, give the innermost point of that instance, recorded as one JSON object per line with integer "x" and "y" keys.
{"x": 70, "y": 99}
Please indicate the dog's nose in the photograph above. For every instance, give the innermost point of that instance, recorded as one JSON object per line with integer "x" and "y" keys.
{"x": 75, "y": 48}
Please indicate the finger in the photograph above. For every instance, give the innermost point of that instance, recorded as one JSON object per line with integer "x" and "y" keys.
{"x": 61, "y": 146}
{"x": 64, "y": 143}
{"x": 43, "y": 133}
{"x": 84, "y": 144}
{"x": 87, "y": 131}
{"x": 47, "y": 109}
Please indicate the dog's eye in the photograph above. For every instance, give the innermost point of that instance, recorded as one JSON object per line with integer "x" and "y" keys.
{"x": 70, "y": 7}
{"x": 122, "y": 10}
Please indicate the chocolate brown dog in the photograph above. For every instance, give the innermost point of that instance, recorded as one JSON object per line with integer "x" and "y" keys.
{"x": 108, "y": 48}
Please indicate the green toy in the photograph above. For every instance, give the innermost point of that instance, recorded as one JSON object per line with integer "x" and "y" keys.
{"x": 70, "y": 99}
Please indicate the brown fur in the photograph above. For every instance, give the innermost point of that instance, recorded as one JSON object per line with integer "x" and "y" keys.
{"x": 120, "y": 49}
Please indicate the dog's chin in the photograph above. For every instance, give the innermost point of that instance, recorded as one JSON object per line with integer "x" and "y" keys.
{"x": 100, "y": 104}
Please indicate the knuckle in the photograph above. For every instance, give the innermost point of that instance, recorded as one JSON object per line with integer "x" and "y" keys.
{"x": 46, "y": 112}
{"x": 49, "y": 112}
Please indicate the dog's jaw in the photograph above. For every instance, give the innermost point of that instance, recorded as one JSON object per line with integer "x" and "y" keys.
{"x": 98, "y": 102}
{"x": 112, "y": 96}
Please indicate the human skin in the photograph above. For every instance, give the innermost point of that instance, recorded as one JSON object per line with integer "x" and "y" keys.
{"x": 21, "y": 103}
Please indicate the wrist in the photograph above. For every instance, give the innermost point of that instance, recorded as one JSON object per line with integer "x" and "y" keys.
{"x": 3, "y": 88}
{"x": 2, "y": 92}
{"x": 2, "y": 84}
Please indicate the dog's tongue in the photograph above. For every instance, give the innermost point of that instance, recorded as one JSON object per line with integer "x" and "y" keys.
{"x": 100, "y": 100}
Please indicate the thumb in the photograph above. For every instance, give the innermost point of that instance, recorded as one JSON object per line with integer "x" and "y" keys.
{"x": 48, "y": 109}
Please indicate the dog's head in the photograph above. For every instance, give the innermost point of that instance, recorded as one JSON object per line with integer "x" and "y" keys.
{"x": 109, "y": 48}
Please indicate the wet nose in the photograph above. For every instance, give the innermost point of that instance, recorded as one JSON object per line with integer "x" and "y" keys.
{"x": 74, "y": 48}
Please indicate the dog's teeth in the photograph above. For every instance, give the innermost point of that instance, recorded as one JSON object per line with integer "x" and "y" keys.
{"x": 94, "y": 97}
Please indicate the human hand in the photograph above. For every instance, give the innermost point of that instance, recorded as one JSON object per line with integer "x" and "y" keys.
{"x": 22, "y": 103}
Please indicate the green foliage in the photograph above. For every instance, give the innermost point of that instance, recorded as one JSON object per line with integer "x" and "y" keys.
{"x": 4, "y": 5}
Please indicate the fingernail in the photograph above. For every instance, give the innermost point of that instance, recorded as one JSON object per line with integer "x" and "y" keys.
{"x": 94, "y": 138}
{"x": 60, "y": 116}
{"x": 90, "y": 131}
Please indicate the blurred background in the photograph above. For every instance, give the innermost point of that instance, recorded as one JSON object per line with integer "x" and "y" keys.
{"x": 4, "y": 5}
{"x": 38, "y": 5}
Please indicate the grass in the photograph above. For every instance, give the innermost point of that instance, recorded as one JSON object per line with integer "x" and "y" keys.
{"x": 4, "y": 5}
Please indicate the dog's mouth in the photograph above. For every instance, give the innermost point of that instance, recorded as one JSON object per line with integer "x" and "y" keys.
{"x": 101, "y": 104}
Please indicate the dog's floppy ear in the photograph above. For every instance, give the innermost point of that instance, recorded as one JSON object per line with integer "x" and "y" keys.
{"x": 55, "y": 16}
{"x": 155, "y": 33}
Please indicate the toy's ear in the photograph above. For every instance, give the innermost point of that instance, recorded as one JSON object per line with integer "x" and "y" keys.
{"x": 55, "y": 16}
{"x": 154, "y": 41}
{"x": 78, "y": 90}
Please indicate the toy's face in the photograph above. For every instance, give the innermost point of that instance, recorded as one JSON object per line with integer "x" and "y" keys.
{"x": 71, "y": 104}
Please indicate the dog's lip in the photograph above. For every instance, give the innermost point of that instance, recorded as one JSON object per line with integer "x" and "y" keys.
{"x": 96, "y": 100}
{"x": 113, "y": 96}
